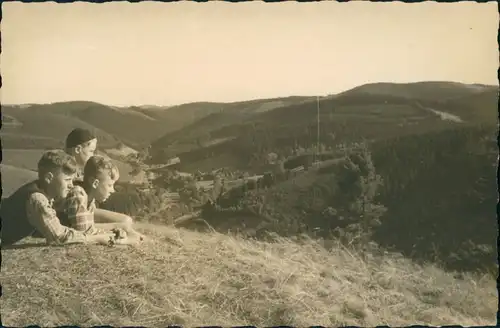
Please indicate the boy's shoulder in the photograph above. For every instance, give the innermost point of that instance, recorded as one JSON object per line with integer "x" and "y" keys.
{"x": 25, "y": 190}
{"x": 38, "y": 196}
{"x": 32, "y": 193}
{"x": 28, "y": 198}
{"x": 78, "y": 199}
{"x": 39, "y": 202}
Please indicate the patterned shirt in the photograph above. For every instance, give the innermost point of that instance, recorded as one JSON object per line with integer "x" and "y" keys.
{"x": 43, "y": 217}
{"x": 60, "y": 204}
{"x": 80, "y": 212}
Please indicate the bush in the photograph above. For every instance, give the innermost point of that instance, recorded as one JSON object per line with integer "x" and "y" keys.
{"x": 131, "y": 200}
{"x": 359, "y": 186}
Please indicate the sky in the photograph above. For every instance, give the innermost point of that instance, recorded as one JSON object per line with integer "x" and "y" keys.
{"x": 171, "y": 53}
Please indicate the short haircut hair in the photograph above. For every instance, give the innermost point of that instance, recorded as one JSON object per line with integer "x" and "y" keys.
{"x": 97, "y": 165}
{"x": 55, "y": 159}
{"x": 79, "y": 136}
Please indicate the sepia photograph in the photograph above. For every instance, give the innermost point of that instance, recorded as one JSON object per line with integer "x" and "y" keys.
{"x": 226, "y": 164}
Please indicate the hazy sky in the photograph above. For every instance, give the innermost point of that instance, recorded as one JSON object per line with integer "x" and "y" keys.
{"x": 170, "y": 53}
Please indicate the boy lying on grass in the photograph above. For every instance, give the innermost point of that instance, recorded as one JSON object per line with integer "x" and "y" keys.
{"x": 81, "y": 144}
{"x": 30, "y": 209}
{"x": 99, "y": 177}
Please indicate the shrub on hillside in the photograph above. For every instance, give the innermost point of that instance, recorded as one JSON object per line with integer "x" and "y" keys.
{"x": 358, "y": 188}
{"x": 342, "y": 201}
{"x": 131, "y": 200}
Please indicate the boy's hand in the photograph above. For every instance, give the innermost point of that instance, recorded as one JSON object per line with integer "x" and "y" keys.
{"x": 134, "y": 234}
{"x": 126, "y": 237}
{"x": 101, "y": 239}
{"x": 128, "y": 241}
{"x": 119, "y": 233}
{"x": 137, "y": 235}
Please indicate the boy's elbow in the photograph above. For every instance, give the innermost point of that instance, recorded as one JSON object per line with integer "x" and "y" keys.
{"x": 128, "y": 220}
{"x": 55, "y": 240}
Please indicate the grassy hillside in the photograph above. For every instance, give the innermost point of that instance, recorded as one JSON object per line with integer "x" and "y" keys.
{"x": 218, "y": 115}
{"x": 191, "y": 279}
{"x": 121, "y": 151}
{"x": 41, "y": 128}
{"x": 110, "y": 124}
{"x": 475, "y": 107}
{"x": 344, "y": 118}
{"x": 14, "y": 177}
{"x": 128, "y": 124}
{"x": 134, "y": 125}
{"x": 22, "y": 158}
{"x": 27, "y": 141}
{"x": 427, "y": 91}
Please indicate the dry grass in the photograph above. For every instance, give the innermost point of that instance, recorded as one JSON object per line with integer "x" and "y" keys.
{"x": 188, "y": 278}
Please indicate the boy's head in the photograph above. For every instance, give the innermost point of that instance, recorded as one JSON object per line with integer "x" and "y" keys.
{"x": 56, "y": 170}
{"x": 81, "y": 144}
{"x": 100, "y": 174}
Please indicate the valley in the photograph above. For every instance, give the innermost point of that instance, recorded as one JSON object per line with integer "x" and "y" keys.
{"x": 276, "y": 161}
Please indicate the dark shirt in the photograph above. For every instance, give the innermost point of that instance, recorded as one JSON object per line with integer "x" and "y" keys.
{"x": 29, "y": 210}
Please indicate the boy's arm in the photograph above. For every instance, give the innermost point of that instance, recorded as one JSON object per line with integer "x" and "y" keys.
{"x": 79, "y": 217}
{"x": 109, "y": 220}
{"x": 125, "y": 227}
{"x": 43, "y": 217}
{"x": 110, "y": 226}
{"x": 101, "y": 239}
{"x": 105, "y": 216}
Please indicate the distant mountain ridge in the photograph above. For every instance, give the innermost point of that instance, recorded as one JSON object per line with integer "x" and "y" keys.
{"x": 372, "y": 111}
{"x": 135, "y": 126}
{"x": 179, "y": 127}
{"x": 432, "y": 90}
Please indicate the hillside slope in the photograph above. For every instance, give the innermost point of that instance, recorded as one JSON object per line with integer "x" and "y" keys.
{"x": 193, "y": 279}
{"x": 377, "y": 111}
{"x": 14, "y": 177}
{"x": 218, "y": 115}
{"x": 423, "y": 91}
{"x": 44, "y": 128}
{"x": 137, "y": 126}
{"x": 430, "y": 91}
{"x": 109, "y": 123}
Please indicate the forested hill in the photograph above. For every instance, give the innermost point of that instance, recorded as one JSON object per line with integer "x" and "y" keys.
{"x": 370, "y": 112}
